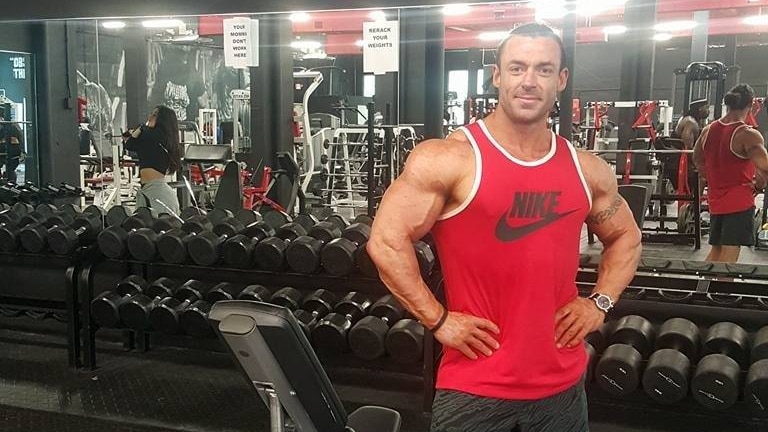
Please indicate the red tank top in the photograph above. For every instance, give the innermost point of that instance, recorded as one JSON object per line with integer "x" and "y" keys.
{"x": 729, "y": 176}
{"x": 510, "y": 254}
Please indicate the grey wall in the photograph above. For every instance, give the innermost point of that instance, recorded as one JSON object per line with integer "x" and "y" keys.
{"x": 16, "y": 37}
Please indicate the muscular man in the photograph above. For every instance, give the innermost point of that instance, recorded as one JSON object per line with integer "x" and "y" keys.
{"x": 689, "y": 126}
{"x": 505, "y": 199}
{"x": 731, "y": 156}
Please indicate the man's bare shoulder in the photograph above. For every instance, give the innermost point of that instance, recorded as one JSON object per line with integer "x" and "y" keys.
{"x": 597, "y": 172}
{"x": 454, "y": 147}
{"x": 749, "y": 135}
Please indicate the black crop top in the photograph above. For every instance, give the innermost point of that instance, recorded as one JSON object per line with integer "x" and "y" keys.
{"x": 150, "y": 146}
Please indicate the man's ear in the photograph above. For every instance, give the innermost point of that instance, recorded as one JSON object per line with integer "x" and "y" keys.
{"x": 563, "y": 79}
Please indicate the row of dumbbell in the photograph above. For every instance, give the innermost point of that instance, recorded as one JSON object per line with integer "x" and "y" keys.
{"x": 335, "y": 326}
{"x": 246, "y": 240}
{"x": 46, "y": 226}
{"x": 11, "y": 193}
{"x": 680, "y": 358}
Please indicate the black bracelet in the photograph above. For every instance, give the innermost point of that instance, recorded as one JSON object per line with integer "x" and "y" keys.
{"x": 441, "y": 321}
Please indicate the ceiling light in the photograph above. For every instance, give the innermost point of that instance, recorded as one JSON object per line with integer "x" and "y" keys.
{"x": 662, "y": 37}
{"x": 186, "y": 38}
{"x": 549, "y": 9}
{"x": 317, "y": 55}
{"x": 306, "y": 44}
{"x": 674, "y": 26}
{"x": 615, "y": 30}
{"x": 596, "y": 7}
{"x": 378, "y": 15}
{"x": 493, "y": 36}
{"x": 456, "y": 9}
{"x": 756, "y": 20}
{"x": 113, "y": 24}
{"x": 359, "y": 42}
{"x": 299, "y": 17}
{"x": 162, "y": 23}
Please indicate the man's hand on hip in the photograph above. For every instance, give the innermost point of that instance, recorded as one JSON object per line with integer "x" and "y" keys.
{"x": 576, "y": 320}
{"x": 468, "y": 334}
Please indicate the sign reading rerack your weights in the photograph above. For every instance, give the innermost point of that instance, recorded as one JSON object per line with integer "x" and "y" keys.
{"x": 381, "y": 47}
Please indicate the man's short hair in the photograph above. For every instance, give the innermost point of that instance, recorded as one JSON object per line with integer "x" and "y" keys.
{"x": 532, "y": 30}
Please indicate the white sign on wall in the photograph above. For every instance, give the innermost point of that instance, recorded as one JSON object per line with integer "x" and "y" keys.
{"x": 241, "y": 42}
{"x": 381, "y": 47}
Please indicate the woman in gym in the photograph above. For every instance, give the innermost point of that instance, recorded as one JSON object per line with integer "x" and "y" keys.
{"x": 157, "y": 144}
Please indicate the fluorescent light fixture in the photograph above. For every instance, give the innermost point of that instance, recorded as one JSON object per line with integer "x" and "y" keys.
{"x": 661, "y": 37}
{"x": 113, "y": 24}
{"x": 186, "y": 38}
{"x": 549, "y": 9}
{"x": 493, "y": 36}
{"x": 299, "y": 17}
{"x": 162, "y": 23}
{"x": 756, "y": 20}
{"x": 359, "y": 42}
{"x": 456, "y": 9}
{"x": 306, "y": 44}
{"x": 377, "y": 15}
{"x": 615, "y": 30}
{"x": 670, "y": 26}
{"x": 317, "y": 55}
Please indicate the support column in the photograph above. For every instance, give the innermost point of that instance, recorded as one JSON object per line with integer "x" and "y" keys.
{"x": 272, "y": 98}
{"x": 136, "y": 64}
{"x": 638, "y": 55}
{"x": 58, "y": 156}
{"x": 422, "y": 64}
{"x": 700, "y": 38}
{"x": 566, "y": 97}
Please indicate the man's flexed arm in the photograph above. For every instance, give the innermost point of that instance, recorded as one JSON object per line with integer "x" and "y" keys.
{"x": 612, "y": 221}
{"x": 407, "y": 212}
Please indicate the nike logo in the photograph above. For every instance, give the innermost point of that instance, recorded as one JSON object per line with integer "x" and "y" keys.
{"x": 507, "y": 233}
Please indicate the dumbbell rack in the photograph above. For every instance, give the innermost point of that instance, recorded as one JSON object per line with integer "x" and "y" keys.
{"x": 383, "y": 372}
{"x": 27, "y": 287}
{"x": 705, "y": 293}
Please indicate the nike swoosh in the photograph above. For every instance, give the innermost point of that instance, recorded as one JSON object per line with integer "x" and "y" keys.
{"x": 506, "y": 233}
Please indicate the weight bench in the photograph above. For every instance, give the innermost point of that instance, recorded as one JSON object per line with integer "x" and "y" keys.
{"x": 276, "y": 358}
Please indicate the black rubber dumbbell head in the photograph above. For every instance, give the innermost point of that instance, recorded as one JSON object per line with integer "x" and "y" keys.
{"x": 756, "y": 388}
{"x": 405, "y": 341}
{"x": 257, "y": 293}
{"x": 666, "y": 377}
{"x": 715, "y": 384}
{"x": 135, "y": 313}
{"x": 238, "y": 250}
{"x": 105, "y": 308}
{"x": 166, "y": 316}
{"x": 287, "y": 297}
{"x": 65, "y": 240}
{"x": 619, "y": 369}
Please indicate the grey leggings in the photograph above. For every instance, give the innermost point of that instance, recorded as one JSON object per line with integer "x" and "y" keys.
{"x": 158, "y": 190}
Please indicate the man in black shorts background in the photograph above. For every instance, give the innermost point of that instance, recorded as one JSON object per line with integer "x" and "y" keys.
{"x": 731, "y": 156}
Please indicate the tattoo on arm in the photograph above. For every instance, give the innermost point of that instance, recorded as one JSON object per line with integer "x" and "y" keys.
{"x": 606, "y": 214}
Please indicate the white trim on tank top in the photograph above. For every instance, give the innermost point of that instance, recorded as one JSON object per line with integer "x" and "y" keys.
{"x": 545, "y": 159}
{"x": 730, "y": 146}
{"x": 475, "y": 183}
{"x": 575, "y": 157}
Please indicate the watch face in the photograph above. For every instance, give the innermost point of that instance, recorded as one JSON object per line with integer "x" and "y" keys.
{"x": 603, "y": 301}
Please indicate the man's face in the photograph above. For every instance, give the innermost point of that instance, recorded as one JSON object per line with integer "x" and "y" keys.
{"x": 529, "y": 78}
{"x": 703, "y": 112}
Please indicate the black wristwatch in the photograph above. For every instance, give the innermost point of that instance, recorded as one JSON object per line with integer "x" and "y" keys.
{"x": 602, "y": 301}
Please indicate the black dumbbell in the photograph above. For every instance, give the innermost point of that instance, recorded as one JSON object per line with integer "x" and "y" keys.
{"x": 142, "y": 243}
{"x": 275, "y": 218}
{"x": 315, "y": 306}
{"x": 367, "y": 339}
{"x": 117, "y": 215}
{"x": 105, "y": 309}
{"x": 269, "y": 253}
{"x": 191, "y": 211}
{"x": 330, "y": 333}
{"x": 756, "y": 384}
{"x": 303, "y": 254}
{"x": 238, "y": 250}
{"x": 618, "y": 371}
{"x": 207, "y": 248}
{"x": 194, "y": 320}
{"x": 363, "y": 219}
{"x": 84, "y": 230}
{"x": 172, "y": 245}
{"x": 405, "y": 341}
{"x": 426, "y": 257}
{"x": 666, "y": 376}
{"x": 287, "y": 297}
{"x": 134, "y": 313}
{"x": 12, "y": 214}
{"x": 113, "y": 241}
{"x": 338, "y": 256}
{"x": 257, "y": 293}
{"x": 166, "y": 315}
{"x": 10, "y": 231}
{"x": 34, "y": 237}
{"x": 715, "y": 384}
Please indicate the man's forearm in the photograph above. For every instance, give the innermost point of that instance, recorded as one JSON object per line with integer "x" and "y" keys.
{"x": 618, "y": 265}
{"x": 399, "y": 270}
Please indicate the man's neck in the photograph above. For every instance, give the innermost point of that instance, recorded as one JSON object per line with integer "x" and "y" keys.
{"x": 734, "y": 116}
{"x": 524, "y": 140}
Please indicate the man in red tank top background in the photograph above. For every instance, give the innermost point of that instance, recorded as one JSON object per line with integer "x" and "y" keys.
{"x": 730, "y": 155}
{"x": 506, "y": 201}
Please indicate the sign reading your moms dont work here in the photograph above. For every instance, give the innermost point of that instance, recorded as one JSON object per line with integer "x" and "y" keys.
{"x": 241, "y": 42}
{"x": 381, "y": 47}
